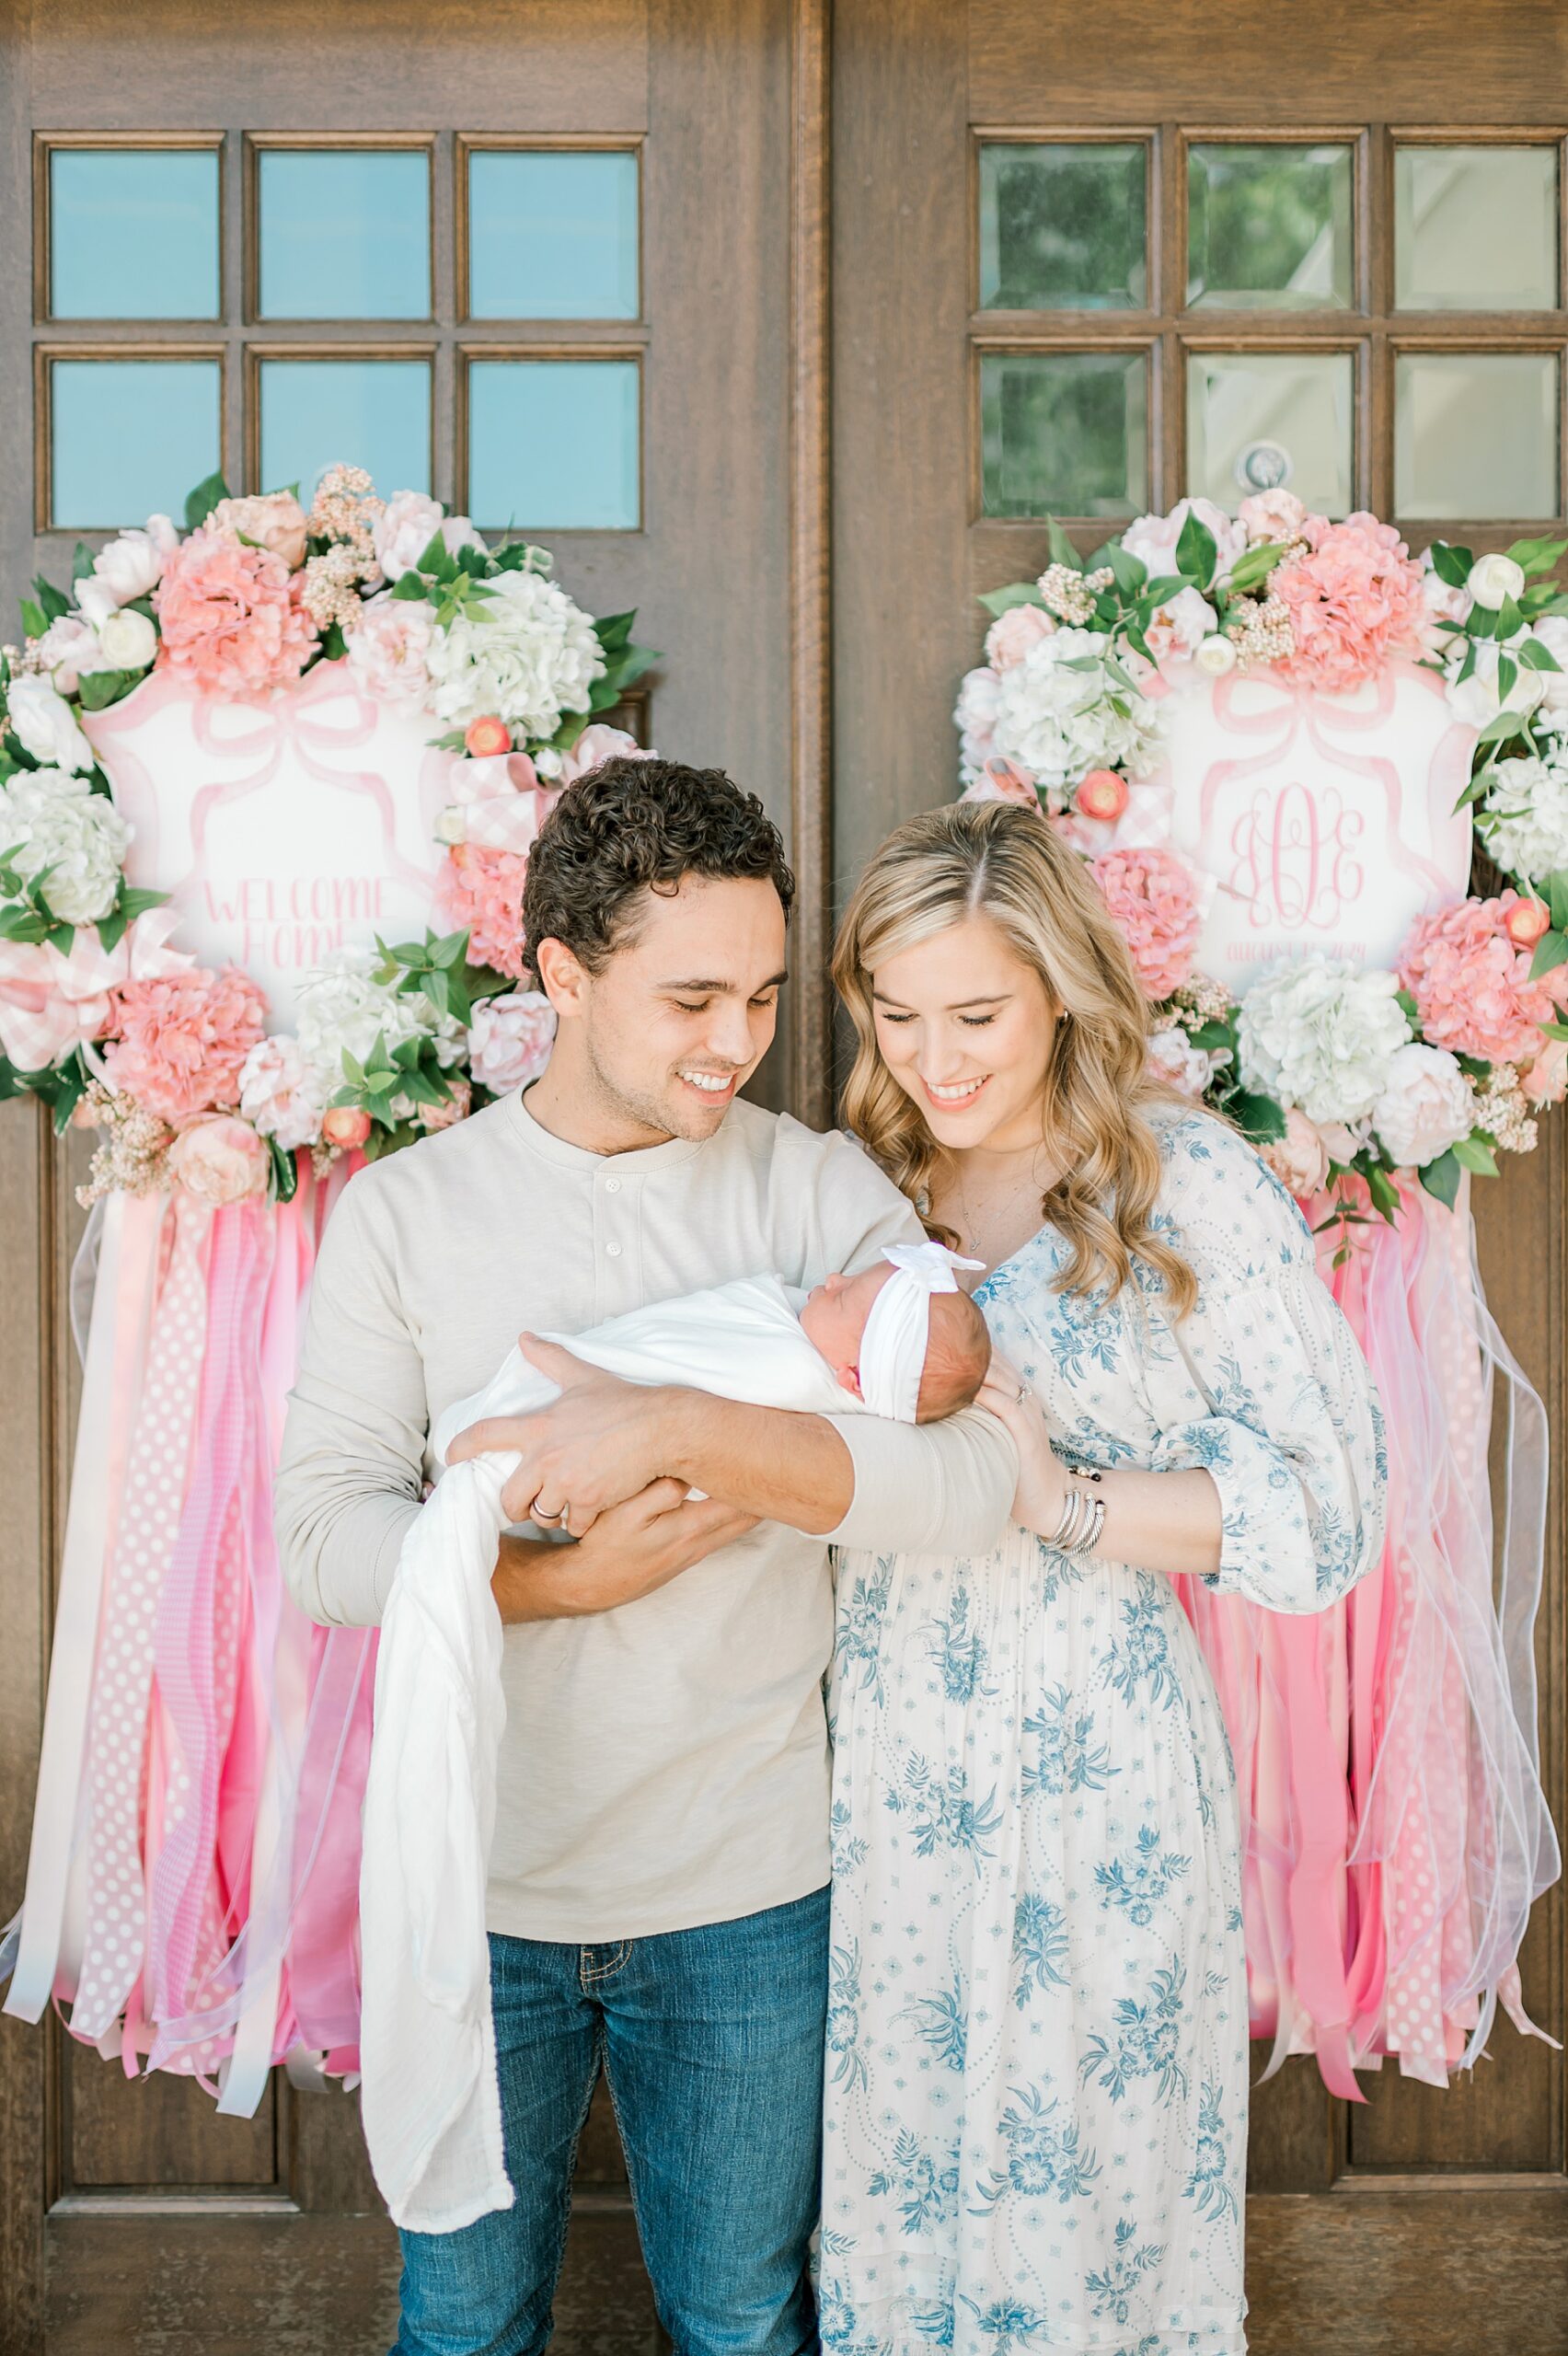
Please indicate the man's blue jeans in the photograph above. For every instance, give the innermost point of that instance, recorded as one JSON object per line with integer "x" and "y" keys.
{"x": 712, "y": 2041}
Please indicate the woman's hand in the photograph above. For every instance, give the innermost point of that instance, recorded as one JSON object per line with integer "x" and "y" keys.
{"x": 1042, "y": 1483}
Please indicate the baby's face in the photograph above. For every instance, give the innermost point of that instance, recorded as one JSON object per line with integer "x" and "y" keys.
{"x": 834, "y": 1319}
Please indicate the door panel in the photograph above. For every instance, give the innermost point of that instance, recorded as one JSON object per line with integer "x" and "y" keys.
{"x": 1358, "y": 2212}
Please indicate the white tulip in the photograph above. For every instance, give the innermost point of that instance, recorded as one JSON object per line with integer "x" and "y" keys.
{"x": 128, "y": 640}
{"x": 1217, "y": 655}
{"x": 46, "y": 724}
{"x": 1494, "y": 578}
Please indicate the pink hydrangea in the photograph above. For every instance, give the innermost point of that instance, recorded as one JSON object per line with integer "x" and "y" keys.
{"x": 483, "y": 890}
{"x": 1153, "y": 896}
{"x": 1472, "y": 987}
{"x": 1354, "y": 602}
{"x": 230, "y": 621}
{"x": 183, "y": 1038}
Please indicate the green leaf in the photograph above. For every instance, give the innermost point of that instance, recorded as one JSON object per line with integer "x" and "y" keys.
{"x": 1061, "y": 547}
{"x": 81, "y": 561}
{"x": 1537, "y": 657}
{"x": 1381, "y": 1186}
{"x": 1505, "y": 724}
{"x": 285, "y": 1172}
{"x": 111, "y": 927}
{"x": 1212, "y": 1034}
{"x": 449, "y": 949}
{"x": 626, "y": 674}
{"x": 1538, "y": 556}
{"x": 1509, "y": 619}
{"x": 1251, "y": 568}
{"x": 1130, "y": 571}
{"x": 24, "y": 924}
{"x": 35, "y": 621}
{"x": 1473, "y": 1153}
{"x": 1554, "y": 892}
{"x": 200, "y": 502}
{"x": 1442, "y": 1177}
{"x": 51, "y": 598}
{"x": 1451, "y": 564}
{"x": 1017, "y": 593}
{"x": 1507, "y": 672}
{"x": 409, "y": 586}
{"x": 1256, "y": 1116}
{"x": 1195, "y": 552}
{"x": 435, "y": 558}
{"x": 136, "y": 902}
{"x": 334, "y": 646}
{"x": 1550, "y": 951}
{"x": 99, "y": 689}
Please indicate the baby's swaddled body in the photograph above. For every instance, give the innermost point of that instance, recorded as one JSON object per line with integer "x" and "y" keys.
{"x": 430, "y": 2099}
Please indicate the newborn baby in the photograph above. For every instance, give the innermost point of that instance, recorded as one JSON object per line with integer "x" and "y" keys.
{"x": 898, "y": 1339}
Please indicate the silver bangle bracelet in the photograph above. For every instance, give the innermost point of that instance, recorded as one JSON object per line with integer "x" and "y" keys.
{"x": 1088, "y": 1540}
{"x": 1061, "y": 1538}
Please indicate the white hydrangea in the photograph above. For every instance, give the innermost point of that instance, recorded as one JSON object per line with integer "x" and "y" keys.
{"x": 975, "y": 717}
{"x": 1426, "y": 1105}
{"x": 1058, "y": 722}
{"x": 342, "y": 1006}
{"x": 527, "y": 654}
{"x": 1524, "y": 819}
{"x": 1322, "y": 1032}
{"x": 52, "y": 818}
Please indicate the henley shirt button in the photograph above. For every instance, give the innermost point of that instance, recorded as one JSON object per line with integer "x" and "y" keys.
{"x": 612, "y": 1251}
{"x": 612, "y": 1186}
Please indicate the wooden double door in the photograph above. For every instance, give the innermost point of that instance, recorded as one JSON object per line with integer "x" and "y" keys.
{"x": 903, "y": 277}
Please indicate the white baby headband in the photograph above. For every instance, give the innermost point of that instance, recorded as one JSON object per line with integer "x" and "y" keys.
{"x": 893, "y": 1347}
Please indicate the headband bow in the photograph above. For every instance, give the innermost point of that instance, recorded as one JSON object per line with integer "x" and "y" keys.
{"x": 893, "y": 1347}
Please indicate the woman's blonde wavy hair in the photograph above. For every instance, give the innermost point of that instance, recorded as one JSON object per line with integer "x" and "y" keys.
{"x": 997, "y": 859}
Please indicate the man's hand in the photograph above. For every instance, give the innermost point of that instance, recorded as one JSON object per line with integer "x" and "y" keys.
{"x": 598, "y": 1444}
{"x": 633, "y": 1548}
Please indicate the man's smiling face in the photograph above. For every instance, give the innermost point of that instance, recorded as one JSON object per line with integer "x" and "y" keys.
{"x": 680, "y": 1014}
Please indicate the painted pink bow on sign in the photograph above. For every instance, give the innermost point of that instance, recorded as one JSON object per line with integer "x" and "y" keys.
{"x": 51, "y": 1003}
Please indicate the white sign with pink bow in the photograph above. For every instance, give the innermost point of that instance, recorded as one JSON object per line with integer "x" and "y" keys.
{"x": 267, "y": 792}
{"x": 1279, "y": 742}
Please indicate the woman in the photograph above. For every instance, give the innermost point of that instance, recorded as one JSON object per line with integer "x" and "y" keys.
{"x": 1037, "y": 2067}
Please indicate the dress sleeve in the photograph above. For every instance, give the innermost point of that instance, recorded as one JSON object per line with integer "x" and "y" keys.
{"x": 1264, "y": 1386}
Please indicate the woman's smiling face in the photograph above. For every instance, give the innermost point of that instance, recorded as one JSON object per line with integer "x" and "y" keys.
{"x": 964, "y": 1027}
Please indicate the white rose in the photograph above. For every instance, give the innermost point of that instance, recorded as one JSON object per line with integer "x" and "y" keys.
{"x": 510, "y": 1042}
{"x": 46, "y": 724}
{"x": 128, "y": 640}
{"x": 1055, "y": 722}
{"x": 51, "y": 818}
{"x": 68, "y": 650}
{"x": 527, "y": 654}
{"x": 1427, "y": 1106}
{"x": 1320, "y": 1033}
{"x": 1552, "y": 632}
{"x": 1175, "y": 632}
{"x": 1494, "y": 578}
{"x": 1524, "y": 819}
{"x": 1476, "y": 700}
{"x": 129, "y": 565}
{"x": 1217, "y": 655}
{"x": 406, "y": 527}
{"x": 1173, "y": 1058}
{"x": 1153, "y": 538}
{"x": 281, "y": 1093}
{"x": 451, "y": 824}
{"x": 387, "y": 648}
{"x": 548, "y": 763}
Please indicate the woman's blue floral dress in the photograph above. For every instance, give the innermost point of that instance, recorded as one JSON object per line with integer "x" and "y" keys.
{"x": 1036, "y": 2108}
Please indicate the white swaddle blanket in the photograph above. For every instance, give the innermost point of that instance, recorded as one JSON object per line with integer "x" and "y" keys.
{"x": 430, "y": 2100}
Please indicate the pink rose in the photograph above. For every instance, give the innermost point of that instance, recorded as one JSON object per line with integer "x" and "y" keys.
{"x": 999, "y": 782}
{"x": 1177, "y": 631}
{"x": 229, "y": 621}
{"x": 1275, "y": 516}
{"x": 1472, "y": 987}
{"x": 387, "y": 648}
{"x": 1154, "y": 897}
{"x": 183, "y": 1038}
{"x": 279, "y": 1094}
{"x": 272, "y": 520}
{"x": 452, "y": 1110}
{"x": 1013, "y": 634}
{"x": 220, "y": 1160}
{"x": 509, "y": 1044}
{"x": 1299, "y": 1160}
{"x": 597, "y": 744}
{"x": 345, "y": 1125}
{"x": 1545, "y": 1080}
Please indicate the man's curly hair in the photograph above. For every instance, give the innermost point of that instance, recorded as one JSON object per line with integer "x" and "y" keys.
{"x": 632, "y": 827}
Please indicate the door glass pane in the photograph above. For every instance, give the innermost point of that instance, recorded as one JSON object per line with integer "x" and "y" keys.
{"x": 1257, "y": 419}
{"x": 553, "y": 444}
{"x": 129, "y": 438}
{"x": 370, "y": 413}
{"x": 1063, "y": 432}
{"x": 1063, "y": 228}
{"x": 552, "y": 235}
{"x": 1475, "y": 435}
{"x": 1475, "y": 228}
{"x": 343, "y": 234}
{"x": 132, "y": 233}
{"x": 1268, "y": 228}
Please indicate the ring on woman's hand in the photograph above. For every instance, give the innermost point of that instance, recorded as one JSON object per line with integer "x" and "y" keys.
{"x": 1022, "y": 1394}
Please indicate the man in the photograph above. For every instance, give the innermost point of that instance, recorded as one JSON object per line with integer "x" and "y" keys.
{"x": 658, "y": 1902}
